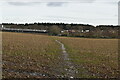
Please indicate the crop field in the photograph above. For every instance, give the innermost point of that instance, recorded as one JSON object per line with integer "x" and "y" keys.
{"x": 28, "y": 55}
{"x": 98, "y": 56}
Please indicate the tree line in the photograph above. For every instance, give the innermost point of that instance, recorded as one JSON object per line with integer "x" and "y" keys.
{"x": 73, "y": 30}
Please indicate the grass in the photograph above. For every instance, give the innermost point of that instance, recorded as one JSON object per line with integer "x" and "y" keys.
{"x": 29, "y": 52}
{"x": 98, "y": 56}
{"x": 23, "y": 52}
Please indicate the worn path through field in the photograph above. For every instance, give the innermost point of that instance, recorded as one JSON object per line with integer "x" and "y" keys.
{"x": 69, "y": 67}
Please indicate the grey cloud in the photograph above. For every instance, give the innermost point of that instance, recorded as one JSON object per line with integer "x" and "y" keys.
{"x": 23, "y": 3}
{"x": 55, "y": 4}
{"x": 49, "y": 3}
{"x": 87, "y": 1}
{"x": 58, "y": 4}
{"x": 119, "y": 3}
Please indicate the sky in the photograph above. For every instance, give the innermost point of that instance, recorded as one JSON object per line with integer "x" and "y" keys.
{"x": 94, "y": 12}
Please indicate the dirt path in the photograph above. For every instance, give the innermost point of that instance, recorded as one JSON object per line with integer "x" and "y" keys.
{"x": 69, "y": 67}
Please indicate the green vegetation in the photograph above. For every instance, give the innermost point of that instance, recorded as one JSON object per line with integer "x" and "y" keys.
{"x": 71, "y": 30}
{"x": 98, "y": 56}
{"x": 26, "y": 53}
{"x": 54, "y": 30}
{"x": 30, "y": 53}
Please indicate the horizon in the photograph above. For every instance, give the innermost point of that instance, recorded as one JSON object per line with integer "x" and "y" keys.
{"x": 57, "y": 23}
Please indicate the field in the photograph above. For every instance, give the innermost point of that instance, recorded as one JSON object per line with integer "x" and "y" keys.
{"x": 29, "y": 55}
{"x": 33, "y": 55}
{"x": 98, "y": 56}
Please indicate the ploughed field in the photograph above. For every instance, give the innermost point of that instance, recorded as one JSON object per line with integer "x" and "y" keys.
{"x": 28, "y": 55}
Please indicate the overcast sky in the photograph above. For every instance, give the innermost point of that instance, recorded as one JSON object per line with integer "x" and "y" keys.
{"x": 68, "y": 11}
